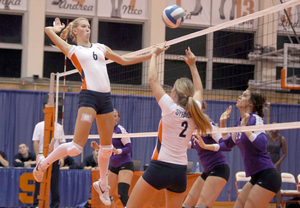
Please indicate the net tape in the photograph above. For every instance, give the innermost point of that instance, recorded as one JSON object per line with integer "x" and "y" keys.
{"x": 266, "y": 127}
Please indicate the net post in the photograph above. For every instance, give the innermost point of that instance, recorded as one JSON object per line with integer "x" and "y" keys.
{"x": 44, "y": 194}
{"x": 48, "y": 133}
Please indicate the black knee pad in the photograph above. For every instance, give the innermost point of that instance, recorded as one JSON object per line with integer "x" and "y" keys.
{"x": 187, "y": 206}
{"x": 123, "y": 189}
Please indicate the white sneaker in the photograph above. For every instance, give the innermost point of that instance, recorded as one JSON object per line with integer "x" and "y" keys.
{"x": 38, "y": 172}
{"x": 103, "y": 192}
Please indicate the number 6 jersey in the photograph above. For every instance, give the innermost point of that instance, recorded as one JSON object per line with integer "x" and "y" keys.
{"x": 90, "y": 63}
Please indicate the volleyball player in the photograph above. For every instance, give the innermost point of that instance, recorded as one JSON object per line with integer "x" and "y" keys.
{"x": 265, "y": 179}
{"x": 208, "y": 186}
{"x": 122, "y": 168}
{"x": 94, "y": 97}
{"x": 181, "y": 116}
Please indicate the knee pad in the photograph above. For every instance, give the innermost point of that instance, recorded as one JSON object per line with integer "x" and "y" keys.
{"x": 106, "y": 150}
{"x": 74, "y": 149}
{"x": 123, "y": 189}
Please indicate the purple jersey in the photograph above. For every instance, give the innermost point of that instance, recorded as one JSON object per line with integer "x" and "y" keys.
{"x": 208, "y": 158}
{"x": 253, "y": 149}
{"x": 123, "y": 144}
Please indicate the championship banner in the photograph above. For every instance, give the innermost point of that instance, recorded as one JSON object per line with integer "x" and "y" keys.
{"x": 292, "y": 14}
{"x": 76, "y": 7}
{"x": 123, "y": 9}
{"x": 226, "y": 10}
{"x": 197, "y": 12}
{"x": 13, "y": 5}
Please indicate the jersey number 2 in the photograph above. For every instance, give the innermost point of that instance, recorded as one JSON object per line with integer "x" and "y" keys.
{"x": 185, "y": 126}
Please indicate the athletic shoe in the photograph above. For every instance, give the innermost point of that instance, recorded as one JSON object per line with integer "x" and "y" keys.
{"x": 38, "y": 172}
{"x": 103, "y": 192}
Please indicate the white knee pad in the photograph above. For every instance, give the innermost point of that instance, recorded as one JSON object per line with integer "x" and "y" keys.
{"x": 74, "y": 149}
{"x": 106, "y": 150}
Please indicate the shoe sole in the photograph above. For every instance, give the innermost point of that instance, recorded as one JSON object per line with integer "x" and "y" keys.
{"x": 34, "y": 170}
{"x": 97, "y": 187}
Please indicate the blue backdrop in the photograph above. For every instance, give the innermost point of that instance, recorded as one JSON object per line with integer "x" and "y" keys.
{"x": 21, "y": 110}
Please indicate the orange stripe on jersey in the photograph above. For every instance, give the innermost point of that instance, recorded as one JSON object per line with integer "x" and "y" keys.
{"x": 159, "y": 140}
{"x": 79, "y": 68}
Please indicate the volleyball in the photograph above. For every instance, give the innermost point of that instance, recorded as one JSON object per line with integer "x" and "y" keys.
{"x": 173, "y": 16}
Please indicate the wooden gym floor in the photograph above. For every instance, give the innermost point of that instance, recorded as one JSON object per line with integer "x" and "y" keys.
{"x": 230, "y": 205}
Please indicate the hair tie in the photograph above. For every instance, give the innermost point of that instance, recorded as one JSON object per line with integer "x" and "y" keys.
{"x": 189, "y": 96}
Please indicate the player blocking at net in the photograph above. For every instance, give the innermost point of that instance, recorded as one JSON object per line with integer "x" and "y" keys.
{"x": 94, "y": 97}
{"x": 181, "y": 116}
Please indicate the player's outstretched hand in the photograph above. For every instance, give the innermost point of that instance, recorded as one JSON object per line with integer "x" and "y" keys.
{"x": 159, "y": 49}
{"x": 57, "y": 25}
{"x": 191, "y": 59}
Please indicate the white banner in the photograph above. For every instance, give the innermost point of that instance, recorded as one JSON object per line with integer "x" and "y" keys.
{"x": 124, "y": 9}
{"x": 197, "y": 12}
{"x": 294, "y": 16}
{"x": 76, "y": 7}
{"x": 13, "y": 5}
{"x": 226, "y": 10}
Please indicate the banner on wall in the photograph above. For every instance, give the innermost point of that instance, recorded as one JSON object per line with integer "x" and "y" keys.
{"x": 123, "y": 9}
{"x": 20, "y": 5}
{"x": 226, "y": 10}
{"x": 197, "y": 12}
{"x": 293, "y": 13}
{"x": 76, "y": 7}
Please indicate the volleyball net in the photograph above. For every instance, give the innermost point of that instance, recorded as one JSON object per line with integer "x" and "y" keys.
{"x": 260, "y": 50}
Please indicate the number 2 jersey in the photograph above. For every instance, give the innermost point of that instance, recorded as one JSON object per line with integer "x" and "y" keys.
{"x": 174, "y": 133}
{"x": 90, "y": 63}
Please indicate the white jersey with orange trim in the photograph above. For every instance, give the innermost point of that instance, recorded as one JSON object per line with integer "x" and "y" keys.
{"x": 91, "y": 65}
{"x": 174, "y": 133}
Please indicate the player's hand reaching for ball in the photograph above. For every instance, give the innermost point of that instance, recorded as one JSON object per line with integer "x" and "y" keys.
{"x": 158, "y": 49}
{"x": 191, "y": 59}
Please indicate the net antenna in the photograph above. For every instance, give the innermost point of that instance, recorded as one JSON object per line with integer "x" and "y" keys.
{"x": 209, "y": 30}
{"x": 64, "y": 84}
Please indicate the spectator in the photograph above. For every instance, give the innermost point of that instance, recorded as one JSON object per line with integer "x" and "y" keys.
{"x": 24, "y": 158}
{"x": 3, "y": 160}
{"x": 91, "y": 162}
{"x": 68, "y": 163}
{"x": 38, "y": 143}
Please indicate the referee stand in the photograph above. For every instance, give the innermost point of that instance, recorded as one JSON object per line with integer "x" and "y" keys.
{"x": 44, "y": 194}
{"x": 49, "y": 118}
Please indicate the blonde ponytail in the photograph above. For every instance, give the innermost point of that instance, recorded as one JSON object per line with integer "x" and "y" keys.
{"x": 201, "y": 120}
{"x": 65, "y": 32}
{"x": 184, "y": 89}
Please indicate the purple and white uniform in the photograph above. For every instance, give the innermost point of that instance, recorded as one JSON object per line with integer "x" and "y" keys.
{"x": 208, "y": 158}
{"x": 253, "y": 149}
{"x": 124, "y": 147}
